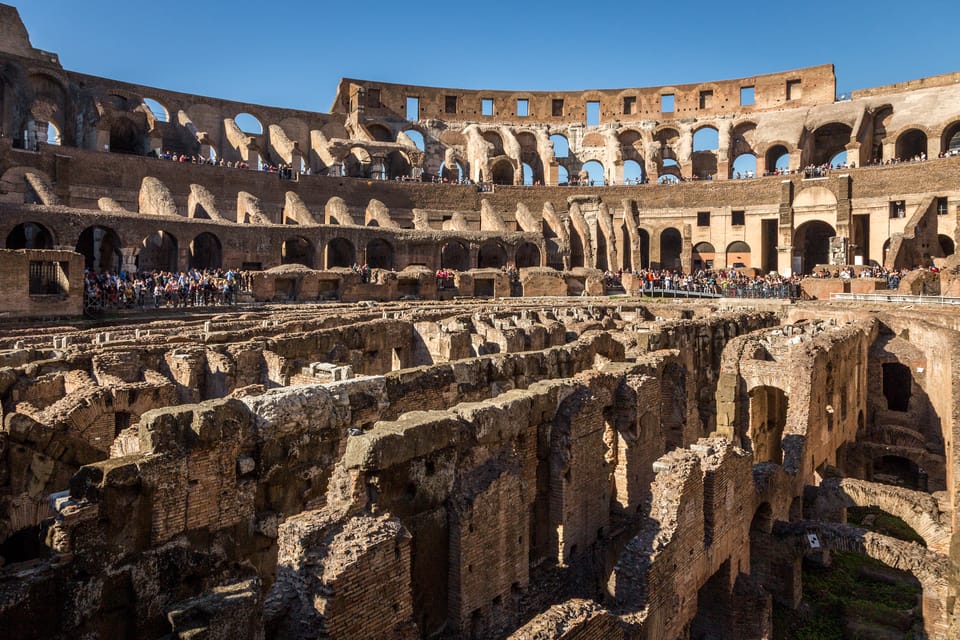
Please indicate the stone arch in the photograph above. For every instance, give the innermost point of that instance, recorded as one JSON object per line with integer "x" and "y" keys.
{"x": 703, "y": 256}
{"x": 159, "y": 112}
{"x": 496, "y": 142}
{"x": 777, "y": 156}
{"x": 911, "y": 143}
{"x": 667, "y": 139}
{"x": 380, "y": 132}
{"x": 492, "y": 255}
{"x": 126, "y": 136}
{"x": 950, "y": 139}
{"x": 593, "y": 173}
{"x": 671, "y": 248}
{"x": 744, "y": 166}
{"x": 30, "y": 235}
{"x": 947, "y": 245}
{"x": 502, "y": 171}
{"x": 743, "y": 139}
{"x": 101, "y": 248}
{"x": 398, "y": 165}
{"x": 527, "y": 255}
{"x": 417, "y": 137}
{"x": 248, "y": 123}
{"x": 768, "y": 417}
{"x": 829, "y": 140}
{"x": 159, "y": 251}
{"x": 206, "y": 252}
{"x": 811, "y": 241}
{"x": 357, "y": 163}
{"x": 298, "y": 250}
{"x": 561, "y": 146}
{"x": 738, "y": 251}
{"x": 340, "y": 253}
{"x": 379, "y": 254}
{"x": 454, "y": 255}
{"x": 896, "y": 470}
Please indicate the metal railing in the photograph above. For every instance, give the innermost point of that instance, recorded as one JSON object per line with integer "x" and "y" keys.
{"x": 898, "y": 298}
{"x": 763, "y": 291}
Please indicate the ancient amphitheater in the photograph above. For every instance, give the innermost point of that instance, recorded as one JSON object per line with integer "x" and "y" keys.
{"x": 503, "y": 453}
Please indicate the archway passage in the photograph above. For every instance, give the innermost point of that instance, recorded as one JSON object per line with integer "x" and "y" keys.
{"x": 768, "y": 417}
{"x": 643, "y": 239}
{"x": 491, "y": 256}
{"x": 159, "y": 252}
{"x": 528, "y": 255}
{"x": 502, "y": 172}
{"x": 593, "y": 172}
{"x": 738, "y": 254}
{"x": 298, "y": 250}
{"x": 828, "y": 141}
{"x": 100, "y": 247}
{"x": 950, "y": 141}
{"x": 900, "y": 472}
{"x": 398, "y": 166}
{"x": 340, "y": 253}
{"x": 454, "y": 256}
{"x": 379, "y": 254}
{"x": 125, "y": 137}
{"x": 947, "y": 245}
{"x": 897, "y": 386}
{"x": 911, "y": 144}
{"x": 206, "y": 252}
{"x": 777, "y": 158}
{"x": 29, "y": 235}
{"x": 811, "y": 241}
{"x": 671, "y": 246}
{"x": 703, "y": 255}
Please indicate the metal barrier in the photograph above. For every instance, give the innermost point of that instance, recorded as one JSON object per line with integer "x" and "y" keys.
{"x": 765, "y": 291}
{"x": 898, "y": 298}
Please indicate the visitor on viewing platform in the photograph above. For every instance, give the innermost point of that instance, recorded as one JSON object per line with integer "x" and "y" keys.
{"x": 194, "y": 288}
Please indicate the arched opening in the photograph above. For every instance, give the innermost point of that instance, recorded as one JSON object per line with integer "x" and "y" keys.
{"x": 563, "y": 176}
{"x": 946, "y": 245}
{"x": 29, "y": 235}
{"x": 398, "y": 166}
{"x": 911, "y": 144}
{"x": 561, "y": 147}
{"x": 602, "y": 261}
{"x": 206, "y": 252}
{"x": 594, "y": 172}
{"x": 898, "y": 471}
{"x": 340, "y": 253}
{"x": 777, "y": 159}
{"x": 950, "y": 141}
{"x": 703, "y": 256}
{"x": 671, "y": 246}
{"x": 125, "y": 137}
{"x": 53, "y": 135}
{"x": 454, "y": 255}
{"x": 492, "y": 255}
{"x": 248, "y": 123}
{"x": 380, "y": 133}
{"x": 496, "y": 143}
{"x": 828, "y": 141}
{"x": 379, "y": 254}
{"x": 897, "y": 386}
{"x": 738, "y": 254}
{"x": 100, "y": 247}
{"x": 502, "y": 172}
{"x": 159, "y": 111}
{"x": 632, "y": 172}
{"x": 527, "y": 175}
{"x": 417, "y": 138}
{"x": 839, "y": 160}
{"x": 811, "y": 242}
{"x": 577, "y": 253}
{"x": 298, "y": 250}
{"x": 768, "y": 417}
{"x": 357, "y": 163}
{"x": 644, "y": 241}
{"x": 706, "y": 139}
{"x": 454, "y": 174}
{"x": 158, "y": 252}
{"x": 744, "y": 166}
{"x": 673, "y": 405}
{"x": 528, "y": 255}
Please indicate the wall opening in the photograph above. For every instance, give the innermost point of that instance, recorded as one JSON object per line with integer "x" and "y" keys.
{"x": 897, "y": 386}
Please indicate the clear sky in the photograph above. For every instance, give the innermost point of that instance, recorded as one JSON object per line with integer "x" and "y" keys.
{"x": 292, "y": 54}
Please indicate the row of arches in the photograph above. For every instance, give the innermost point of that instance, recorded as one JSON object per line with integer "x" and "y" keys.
{"x": 102, "y": 249}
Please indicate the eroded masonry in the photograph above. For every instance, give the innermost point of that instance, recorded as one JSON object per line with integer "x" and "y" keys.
{"x": 465, "y": 438}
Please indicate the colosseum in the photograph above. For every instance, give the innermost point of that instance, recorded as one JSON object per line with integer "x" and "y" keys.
{"x": 478, "y": 364}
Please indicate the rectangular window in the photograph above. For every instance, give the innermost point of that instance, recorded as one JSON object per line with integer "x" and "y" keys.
{"x": 486, "y": 107}
{"x": 666, "y": 103}
{"x": 706, "y": 99}
{"x": 557, "y": 108}
{"x": 49, "y": 278}
{"x": 794, "y": 90}
{"x": 737, "y": 218}
{"x": 898, "y": 209}
{"x": 941, "y": 206}
{"x": 703, "y": 218}
{"x": 629, "y": 105}
{"x": 413, "y": 109}
{"x": 747, "y": 96}
{"x": 373, "y": 98}
{"x": 450, "y": 104}
{"x": 523, "y": 108}
{"x": 593, "y": 113}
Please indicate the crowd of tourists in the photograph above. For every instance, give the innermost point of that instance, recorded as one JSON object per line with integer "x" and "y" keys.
{"x": 108, "y": 290}
{"x": 722, "y": 282}
{"x": 892, "y": 276}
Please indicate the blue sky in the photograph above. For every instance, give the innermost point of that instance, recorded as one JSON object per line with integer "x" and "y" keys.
{"x": 291, "y": 54}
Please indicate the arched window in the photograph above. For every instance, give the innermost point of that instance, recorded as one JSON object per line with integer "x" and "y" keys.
{"x": 454, "y": 255}
{"x": 491, "y": 256}
{"x": 340, "y": 253}
{"x": 563, "y": 176}
{"x": 706, "y": 139}
{"x": 248, "y": 123}
{"x": 632, "y": 172}
{"x": 53, "y": 135}
{"x": 159, "y": 252}
{"x": 561, "y": 148}
{"x": 379, "y": 254}
{"x": 417, "y": 138}
{"x": 911, "y": 144}
{"x": 595, "y": 172}
{"x": 777, "y": 157}
{"x": 527, "y": 175}
{"x": 745, "y": 166}
{"x": 205, "y": 252}
{"x": 839, "y": 160}
{"x": 528, "y": 255}
{"x": 297, "y": 250}
{"x": 29, "y": 235}
{"x": 158, "y": 110}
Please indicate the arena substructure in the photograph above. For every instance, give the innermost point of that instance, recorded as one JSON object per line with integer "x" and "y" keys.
{"x": 529, "y": 469}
